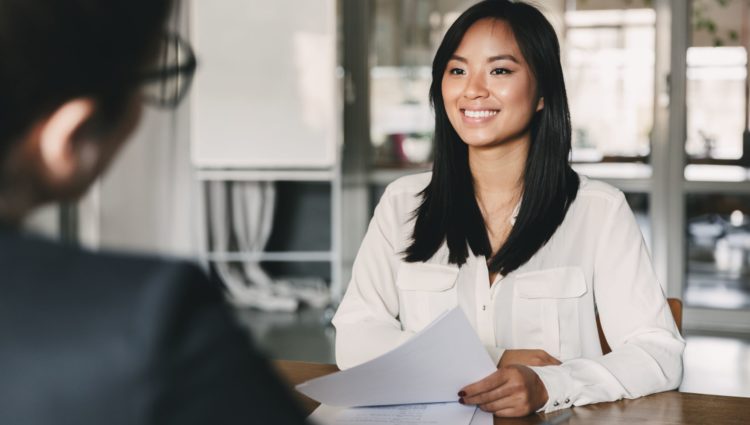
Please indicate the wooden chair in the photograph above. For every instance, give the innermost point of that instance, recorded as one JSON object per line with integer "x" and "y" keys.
{"x": 675, "y": 305}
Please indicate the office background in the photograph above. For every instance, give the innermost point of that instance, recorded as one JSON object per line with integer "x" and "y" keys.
{"x": 303, "y": 112}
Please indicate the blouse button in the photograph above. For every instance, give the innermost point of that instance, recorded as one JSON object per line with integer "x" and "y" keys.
{"x": 567, "y": 400}
{"x": 484, "y": 307}
{"x": 555, "y": 404}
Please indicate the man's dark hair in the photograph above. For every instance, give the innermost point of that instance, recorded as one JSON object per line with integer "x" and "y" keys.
{"x": 52, "y": 51}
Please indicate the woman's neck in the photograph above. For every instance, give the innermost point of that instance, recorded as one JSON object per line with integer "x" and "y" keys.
{"x": 498, "y": 173}
{"x": 498, "y": 170}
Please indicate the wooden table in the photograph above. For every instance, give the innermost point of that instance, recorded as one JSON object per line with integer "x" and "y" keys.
{"x": 671, "y": 407}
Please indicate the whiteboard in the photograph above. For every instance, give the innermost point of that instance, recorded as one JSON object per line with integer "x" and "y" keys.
{"x": 265, "y": 93}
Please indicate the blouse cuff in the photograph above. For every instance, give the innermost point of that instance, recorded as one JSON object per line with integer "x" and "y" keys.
{"x": 559, "y": 385}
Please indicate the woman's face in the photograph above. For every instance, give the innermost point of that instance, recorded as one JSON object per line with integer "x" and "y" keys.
{"x": 488, "y": 89}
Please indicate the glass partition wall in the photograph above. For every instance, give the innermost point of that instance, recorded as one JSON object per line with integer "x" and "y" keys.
{"x": 658, "y": 97}
{"x": 717, "y": 157}
{"x": 404, "y": 36}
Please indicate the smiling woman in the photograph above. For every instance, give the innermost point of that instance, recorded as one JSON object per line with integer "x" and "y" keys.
{"x": 501, "y": 63}
{"x": 503, "y": 228}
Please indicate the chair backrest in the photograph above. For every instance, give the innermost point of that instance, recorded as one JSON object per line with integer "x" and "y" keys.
{"x": 675, "y": 305}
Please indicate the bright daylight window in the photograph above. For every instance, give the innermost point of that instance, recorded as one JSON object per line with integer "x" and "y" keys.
{"x": 716, "y": 102}
{"x": 609, "y": 68}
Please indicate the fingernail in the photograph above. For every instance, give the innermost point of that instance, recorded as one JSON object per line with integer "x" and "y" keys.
{"x": 461, "y": 400}
{"x": 461, "y": 393}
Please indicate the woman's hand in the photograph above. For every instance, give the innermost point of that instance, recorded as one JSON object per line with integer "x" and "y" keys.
{"x": 509, "y": 391}
{"x": 527, "y": 358}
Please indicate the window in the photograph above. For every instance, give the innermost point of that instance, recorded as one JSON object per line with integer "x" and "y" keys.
{"x": 718, "y": 251}
{"x": 609, "y": 68}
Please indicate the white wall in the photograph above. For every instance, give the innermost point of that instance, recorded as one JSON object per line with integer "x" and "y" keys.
{"x": 149, "y": 199}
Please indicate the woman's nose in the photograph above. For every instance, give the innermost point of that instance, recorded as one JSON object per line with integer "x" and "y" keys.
{"x": 476, "y": 87}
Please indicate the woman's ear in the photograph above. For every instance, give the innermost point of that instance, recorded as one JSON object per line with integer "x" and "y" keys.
{"x": 61, "y": 154}
{"x": 540, "y": 104}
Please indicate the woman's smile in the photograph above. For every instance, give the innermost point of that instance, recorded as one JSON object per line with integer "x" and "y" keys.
{"x": 478, "y": 116}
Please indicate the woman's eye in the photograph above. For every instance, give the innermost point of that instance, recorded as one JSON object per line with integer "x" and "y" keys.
{"x": 456, "y": 71}
{"x": 500, "y": 71}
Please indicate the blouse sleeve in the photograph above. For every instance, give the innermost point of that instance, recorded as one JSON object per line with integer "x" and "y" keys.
{"x": 646, "y": 345}
{"x": 367, "y": 322}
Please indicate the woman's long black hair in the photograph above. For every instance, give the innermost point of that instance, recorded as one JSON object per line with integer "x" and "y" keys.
{"x": 449, "y": 210}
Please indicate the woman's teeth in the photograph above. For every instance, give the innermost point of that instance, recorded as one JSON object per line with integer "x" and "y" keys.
{"x": 479, "y": 114}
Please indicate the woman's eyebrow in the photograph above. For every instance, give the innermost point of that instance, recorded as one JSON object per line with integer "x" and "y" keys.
{"x": 503, "y": 57}
{"x": 490, "y": 59}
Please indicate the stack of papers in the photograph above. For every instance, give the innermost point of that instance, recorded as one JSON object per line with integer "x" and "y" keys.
{"x": 403, "y": 414}
{"x": 415, "y": 383}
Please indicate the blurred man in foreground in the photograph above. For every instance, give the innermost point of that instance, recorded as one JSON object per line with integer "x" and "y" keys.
{"x": 104, "y": 338}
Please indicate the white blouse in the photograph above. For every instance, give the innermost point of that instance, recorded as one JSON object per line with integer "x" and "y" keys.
{"x": 595, "y": 261}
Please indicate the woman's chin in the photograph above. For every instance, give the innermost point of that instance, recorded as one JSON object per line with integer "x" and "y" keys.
{"x": 479, "y": 142}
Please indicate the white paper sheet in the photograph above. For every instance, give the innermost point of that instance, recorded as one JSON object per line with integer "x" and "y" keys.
{"x": 431, "y": 367}
{"x": 406, "y": 414}
{"x": 482, "y": 418}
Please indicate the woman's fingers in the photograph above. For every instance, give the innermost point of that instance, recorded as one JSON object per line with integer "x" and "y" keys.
{"x": 489, "y": 396}
{"x": 542, "y": 358}
{"x": 514, "y": 402}
{"x": 494, "y": 380}
{"x": 508, "y": 392}
{"x": 551, "y": 360}
{"x": 510, "y": 412}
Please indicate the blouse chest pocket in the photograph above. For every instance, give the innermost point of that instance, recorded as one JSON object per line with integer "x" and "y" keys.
{"x": 425, "y": 291}
{"x": 546, "y": 311}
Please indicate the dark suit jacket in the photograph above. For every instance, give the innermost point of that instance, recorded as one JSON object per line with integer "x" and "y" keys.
{"x": 107, "y": 339}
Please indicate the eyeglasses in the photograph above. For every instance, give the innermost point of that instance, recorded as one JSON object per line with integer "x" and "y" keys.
{"x": 168, "y": 84}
